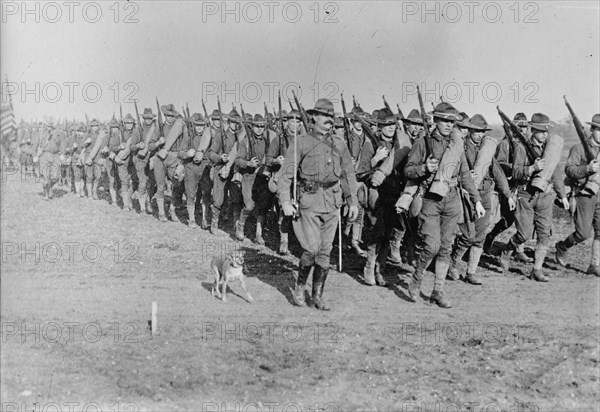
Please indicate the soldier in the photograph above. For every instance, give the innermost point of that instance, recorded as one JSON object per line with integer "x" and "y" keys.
{"x": 462, "y": 125}
{"x": 586, "y": 182}
{"x": 439, "y": 214}
{"x": 94, "y": 162}
{"x": 143, "y": 147}
{"x": 26, "y": 157}
{"x": 250, "y": 161}
{"x": 275, "y": 158}
{"x": 534, "y": 206}
{"x": 197, "y": 172}
{"x": 386, "y": 183}
{"x": 51, "y": 154}
{"x": 222, "y": 152}
{"x": 124, "y": 160}
{"x": 167, "y": 162}
{"x": 473, "y": 233}
{"x": 321, "y": 161}
{"x": 78, "y": 159}
{"x": 110, "y": 151}
{"x": 503, "y": 218}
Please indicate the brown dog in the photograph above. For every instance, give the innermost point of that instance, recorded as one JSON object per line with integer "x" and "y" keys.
{"x": 228, "y": 268}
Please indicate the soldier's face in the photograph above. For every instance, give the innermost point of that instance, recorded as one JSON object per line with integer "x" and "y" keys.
{"x": 293, "y": 125}
{"x": 389, "y": 130}
{"x": 596, "y": 134}
{"x": 129, "y": 126}
{"x": 444, "y": 126}
{"x": 463, "y": 131}
{"x": 148, "y": 121}
{"x": 323, "y": 122}
{"x": 217, "y": 123}
{"x": 285, "y": 122}
{"x": 540, "y": 136}
{"x": 94, "y": 129}
{"x": 169, "y": 118}
{"x": 233, "y": 126}
{"x": 476, "y": 136}
{"x": 258, "y": 129}
{"x": 198, "y": 128}
{"x": 413, "y": 129}
{"x": 523, "y": 130}
{"x": 339, "y": 131}
{"x": 357, "y": 126}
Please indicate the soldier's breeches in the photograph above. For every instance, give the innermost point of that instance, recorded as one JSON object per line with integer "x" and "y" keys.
{"x": 93, "y": 172}
{"x": 50, "y": 166}
{"x": 163, "y": 171}
{"x": 219, "y": 185}
{"x": 437, "y": 227}
{"x": 473, "y": 233}
{"x": 124, "y": 176}
{"x": 533, "y": 212}
{"x": 315, "y": 232}
{"x": 195, "y": 179}
{"x": 261, "y": 195}
{"x": 78, "y": 173}
{"x": 140, "y": 171}
{"x": 587, "y": 217}
{"x": 384, "y": 219}
{"x": 247, "y": 185}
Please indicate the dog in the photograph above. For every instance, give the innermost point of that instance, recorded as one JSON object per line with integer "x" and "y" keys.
{"x": 228, "y": 268}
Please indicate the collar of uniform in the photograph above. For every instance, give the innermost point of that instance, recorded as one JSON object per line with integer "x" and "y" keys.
{"x": 438, "y": 136}
{"x": 473, "y": 143}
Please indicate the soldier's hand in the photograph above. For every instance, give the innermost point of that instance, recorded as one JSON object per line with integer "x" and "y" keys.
{"x": 253, "y": 163}
{"x": 377, "y": 178}
{"x": 565, "y": 203}
{"x": 289, "y": 209}
{"x": 381, "y": 153}
{"x": 191, "y": 153}
{"x": 512, "y": 204}
{"x": 122, "y": 146}
{"x": 160, "y": 141}
{"x": 198, "y": 157}
{"x": 224, "y": 157}
{"x": 141, "y": 145}
{"x": 279, "y": 160}
{"x": 480, "y": 210}
{"x": 473, "y": 175}
{"x": 432, "y": 164}
{"x": 539, "y": 165}
{"x": 352, "y": 213}
{"x": 105, "y": 150}
{"x": 593, "y": 166}
{"x": 88, "y": 141}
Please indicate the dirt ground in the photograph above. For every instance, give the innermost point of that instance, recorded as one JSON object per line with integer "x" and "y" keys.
{"x": 79, "y": 278}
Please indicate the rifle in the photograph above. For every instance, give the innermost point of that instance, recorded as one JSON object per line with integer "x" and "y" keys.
{"x": 385, "y": 103}
{"x": 280, "y": 119}
{"x": 346, "y": 123}
{"x": 399, "y": 111}
{"x": 87, "y": 124}
{"x": 511, "y": 141}
{"x": 159, "y": 120}
{"x": 208, "y": 121}
{"x": 221, "y": 129}
{"x": 137, "y": 116}
{"x": 580, "y": 132}
{"x": 247, "y": 131}
{"x": 270, "y": 125}
{"x": 290, "y": 103}
{"x": 426, "y": 124}
{"x": 121, "y": 125}
{"x": 354, "y": 102}
{"x": 516, "y": 132}
{"x": 303, "y": 115}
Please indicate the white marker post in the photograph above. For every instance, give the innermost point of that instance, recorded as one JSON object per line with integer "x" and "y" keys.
{"x": 154, "y": 324}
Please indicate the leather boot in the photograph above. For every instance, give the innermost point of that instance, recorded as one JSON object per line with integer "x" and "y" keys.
{"x": 474, "y": 256}
{"x": 382, "y": 254}
{"x": 173, "y": 213}
{"x": 506, "y": 254}
{"x": 214, "y": 220}
{"x": 125, "y": 194}
{"x": 90, "y": 192}
{"x": 113, "y": 196}
{"x": 192, "y": 217}
{"x": 299, "y": 287}
{"x": 394, "y": 257}
{"x": 357, "y": 229}
{"x": 283, "y": 244}
{"x": 561, "y": 253}
{"x": 319, "y": 277}
{"x": 259, "y": 229}
{"x": 95, "y": 189}
{"x": 240, "y": 223}
{"x": 520, "y": 256}
{"x": 142, "y": 201}
{"x": 204, "y": 210}
{"x": 161, "y": 209}
{"x": 453, "y": 271}
{"x": 45, "y": 186}
{"x": 438, "y": 298}
{"x": 594, "y": 268}
{"x": 537, "y": 272}
{"x": 148, "y": 202}
{"x": 414, "y": 284}
{"x": 369, "y": 269}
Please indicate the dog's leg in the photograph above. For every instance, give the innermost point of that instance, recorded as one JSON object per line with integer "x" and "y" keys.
{"x": 243, "y": 282}
{"x": 224, "y": 290}
{"x": 215, "y": 288}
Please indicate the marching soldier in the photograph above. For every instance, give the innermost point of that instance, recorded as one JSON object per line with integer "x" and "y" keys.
{"x": 143, "y": 147}
{"x": 51, "y": 154}
{"x": 473, "y": 233}
{"x": 505, "y": 157}
{"x": 386, "y": 183}
{"x": 110, "y": 151}
{"x": 167, "y": 161}
{"x": 124, "y": 160}
{"x": 321, "y": 161}
{"x": 275, "y": 158}
{"x": 197, "y": 172}
{"x": 534, "y": 206}
{"x": 250, "y": 161}
{"x": 586, "y": 184}
{"x": 222, "y": 153}
{"x": 94, "y": 161}
{"x": 441, "y": 210}
{"x": 78, "y": 159}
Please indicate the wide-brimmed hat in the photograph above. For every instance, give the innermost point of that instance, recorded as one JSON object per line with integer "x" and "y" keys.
{"x": 258, "y": 120}
{"x": 81, "y": 127}
{"x": 198, "y": 119}
{"x": 49, "y": 121}
{"x": 464, "y": 120}
{"x": 148, "y": 113}
{"x": 356, "y": 111}
{"x": 540, "y": 121}
{"x": 234, "y": 116}
{"x": 283, "y": 114}
{"x": 128, "y": 118}
{"x": 169, "y": 110}
{"x": 477, "y": 122}
{"x": 595, "y": 121}
{"x": 113, "y": 123}
{"x": 521, "y": 120}
{"x": 215, "y": 115}
{"x": 385, "y": 117}
{"x": 413, "y": 117}
{"x": 94, "y": 122}
{"x": 445, "y": 111}
{"x": 293, "y": 114}
{"x": 323, "y": 107}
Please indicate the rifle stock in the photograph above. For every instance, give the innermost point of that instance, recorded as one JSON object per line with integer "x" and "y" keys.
{"x": 303, "y": 115}
{"x": 516, "y": 132}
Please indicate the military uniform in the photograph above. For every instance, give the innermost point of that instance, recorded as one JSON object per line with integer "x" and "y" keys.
{"x": 439, "y": 216}
{"x": 324, "y": 169}
{"x": 587, "y": 209}
{"x": 111, "y": 150}
{"x": 141, "y": 154}
{"x": 534, "y": 208}
{"x": 124, "y": 161}
{"x": 52, "y": 149}
{"x": 78, "y": 159}
{"x": 93, "y": 167}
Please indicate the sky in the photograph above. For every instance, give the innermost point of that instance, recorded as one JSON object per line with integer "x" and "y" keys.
{"x": 91, "y": 57}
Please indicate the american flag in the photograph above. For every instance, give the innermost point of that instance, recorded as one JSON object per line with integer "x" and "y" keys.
{"x": 8, "y": 126}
